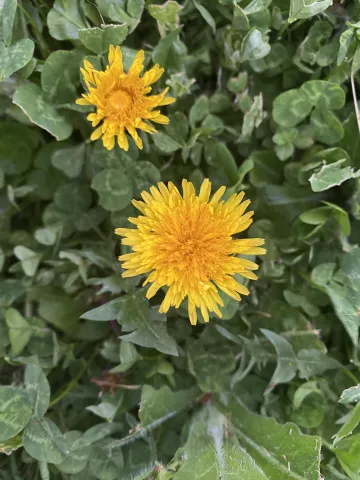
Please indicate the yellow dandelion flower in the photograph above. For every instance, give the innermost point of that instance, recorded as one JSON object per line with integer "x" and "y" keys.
{"x": 121, "y": 100}
{"x": 186, "y": 244}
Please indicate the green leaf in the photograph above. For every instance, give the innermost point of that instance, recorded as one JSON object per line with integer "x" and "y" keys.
{"x": 219, "y": 156}
{"x": 253, "y": 117}
{"x": 73, "y": 198}
{"x": 206, "y": 15}
{"x": 38, "y": 390}
{"x": 350, "y": 424}
{"x": 98, "y": 40}
{"x": 105, "y": 410}
{"x": 327, "y": 128}
{"x": 347, "y": 452}
{"x": 165, "y": 143}
{"x": 151, "y": 331}
{"x": 164, "y": 48}
{"x": 15, "y": 57}
{"x": 331, "y": 175}
{"x": 76, "y": 461}
{"x": 301, "y": 9}
{"x": 65, "y": 19}
{"x": 106, "y": 460}
{"x": 314, "y": 362}
{"x": 15, "y": 412}
{"x": 293, "y": 106}
{"x": 29, "y": 259}
{"x": 30, "y": 98}
{"x": 210, "y": 451}
{"x": 7, "y": 17}
{"x": 286, "y": 359}
{"x": 158, "y": 406}
{"x": 350, "y": 395}
{"x": 210, "y": 367}
{"x": 116, "y": 11}
{"x": 167, "y": 13}
{"x": 253, "y": 46}
{"x": 43, "y": 441}
{"x": 106, "y": 312}
{"x": 199, "y": 110}
{"x": 70, "y": 160}
{"x": 60, "y": 76}
{"x": 114, "y": 189}
{"x": 20, "y": 331}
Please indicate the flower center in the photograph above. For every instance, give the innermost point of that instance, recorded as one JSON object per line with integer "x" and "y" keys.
{"x": 120, "y": 100}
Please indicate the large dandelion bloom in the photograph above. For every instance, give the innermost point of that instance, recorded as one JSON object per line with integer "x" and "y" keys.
{"x": 121, "y": 100}
{"x": 186, "y": 242}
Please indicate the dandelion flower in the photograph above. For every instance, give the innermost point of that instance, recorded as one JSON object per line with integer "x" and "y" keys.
{"x": 185, "y": 242}
{"x": 121, "y": 100}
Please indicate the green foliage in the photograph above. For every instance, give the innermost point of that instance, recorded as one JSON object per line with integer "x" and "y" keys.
{"x": 96, "y": 384}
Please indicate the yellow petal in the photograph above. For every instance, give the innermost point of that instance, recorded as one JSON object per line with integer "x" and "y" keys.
{"x": 96, "y": 133}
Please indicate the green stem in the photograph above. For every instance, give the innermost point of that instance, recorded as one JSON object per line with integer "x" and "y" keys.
{"x": 64, "y": 393}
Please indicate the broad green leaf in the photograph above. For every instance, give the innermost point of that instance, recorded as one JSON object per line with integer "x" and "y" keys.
{"x": 69, "y": 160}
{"x": 352, "y": 421}
{"x": 346, "y": 39}
{"x": 286, "y": 359}
{"x": 106, "y": 312}
{"x": 20, "y": 331}
{"x": 327, "y": 127}
{"x": 15, "y": 412}
{"x": 346, "y": 308}
{"x": 9, "y": 446}
{"x": 211, "y": 453}
{"x": 29, "y": 259}
{"x": 150, "y": 327}
{"x": 331, "y": 175}
{"x": 158, "y": 406}
{"x": 293, "y": 106}
{"x": 106, "y": 460}
{"x": 163, "y": 49}
{"x": 73, "y": 197}
{"x": 30, "y": 98}
{"x": 314, "y": 362}
{"x": 219, "y": 156}
{"x": 199, "y": 110}
{"x": 253, "y": 46}
{"x": 98, "y": 40}
{"x": 76, "y": 461}
{"x": 7, "y": 17}
{"x": 15, "y": 57}
{"x": 116, "y": 11}
{"x": 65, "y": 19}
{"x": 304, "y": 391}
{"x": 105, "y": 410}
{"x": 350, "y": 395}
{"x": 43, "y": 440}
{"x": 167, "y": 13}
{"x": 61, "y": 75}
{"x": 280, "y": 451}
{"x": 165, "y": 143}
{"x": 266, "y": 168}
{"x": 38, "y": 390}
{"x": 114, "y": 188}
{"x": 300, "y": 9}
{"x": 347, "y": 452}
{"x": 211, "y": 368}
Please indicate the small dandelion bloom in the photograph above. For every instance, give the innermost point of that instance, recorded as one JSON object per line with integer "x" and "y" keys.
{"x": 186, "y": 244}
{"x": 121, "y": 100}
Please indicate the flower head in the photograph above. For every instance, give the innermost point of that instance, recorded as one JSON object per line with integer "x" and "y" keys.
{"x": 186, "y": 244}
{"x": 121, "y": 100}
